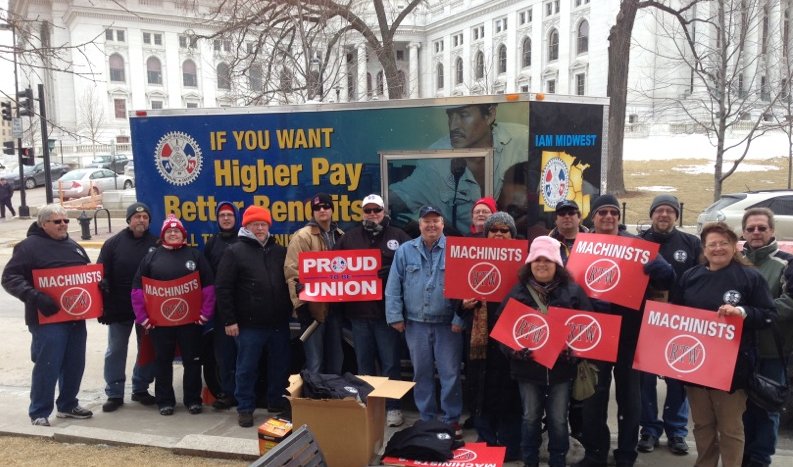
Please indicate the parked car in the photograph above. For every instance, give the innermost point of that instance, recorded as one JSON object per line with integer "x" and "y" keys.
{"x": 129, "y": 170}
{"x": 34, "y": 175}
{"x": 115, "y": 163}
{"x": 730, "y": 208}
{"x": 84, "y": 182}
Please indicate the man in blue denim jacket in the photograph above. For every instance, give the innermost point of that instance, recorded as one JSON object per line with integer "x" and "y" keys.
{"x": 415, "y": 305}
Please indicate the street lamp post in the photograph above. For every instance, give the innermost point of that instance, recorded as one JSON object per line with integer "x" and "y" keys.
{"x": 337, "y": 88}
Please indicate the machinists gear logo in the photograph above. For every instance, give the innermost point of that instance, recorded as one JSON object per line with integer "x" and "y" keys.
{"x": 555, "y": 181}
{"x": 178, "y": 158}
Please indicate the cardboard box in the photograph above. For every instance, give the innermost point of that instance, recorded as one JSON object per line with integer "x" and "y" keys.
{"x": 348, "y": 432}
{"x": 272, "y": 432}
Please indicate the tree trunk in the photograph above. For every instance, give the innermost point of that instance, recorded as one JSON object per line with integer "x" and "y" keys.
{"x": 617, "y": 90}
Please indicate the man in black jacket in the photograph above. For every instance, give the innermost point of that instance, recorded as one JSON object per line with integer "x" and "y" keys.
{"x": 254, "y": 306}
{"x": 121, "y": 255}
{"x": 6, "y": 193}
{"x": 57, "y": 349}
{"x": 225, "y": 349}
{"x": 373, "y": 338}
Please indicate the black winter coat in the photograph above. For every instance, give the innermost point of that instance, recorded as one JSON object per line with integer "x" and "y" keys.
{"x": 250, "y": 285}
{"x": 38, "y": 251}
{"x": 121, "y": 255}
{"x": 568, "y": 295}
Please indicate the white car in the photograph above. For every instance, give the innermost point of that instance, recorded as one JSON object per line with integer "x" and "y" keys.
{"x": 730, "y": 208}
{"x": 84, "y": 182}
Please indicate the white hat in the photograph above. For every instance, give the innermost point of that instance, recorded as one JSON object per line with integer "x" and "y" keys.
{"x": 373, "y": 199}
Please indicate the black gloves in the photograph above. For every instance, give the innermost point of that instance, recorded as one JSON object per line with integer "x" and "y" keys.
{"x": 104, "y": 286}
{"x": 43, "y": 302}
{"x": 298, "y": 287}
{"x": 660, "y": 270}
{"x": 523, "y": 355}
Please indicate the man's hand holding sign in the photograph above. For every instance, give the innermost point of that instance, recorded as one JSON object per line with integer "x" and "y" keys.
{"x": 339, "y": 276}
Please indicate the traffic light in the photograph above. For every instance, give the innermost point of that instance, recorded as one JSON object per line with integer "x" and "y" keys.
{"x": 25, "y": 102}
{"x": 8, "y": 147}
{"x": 28, "y": 157}
{"x": 6, "y": 110}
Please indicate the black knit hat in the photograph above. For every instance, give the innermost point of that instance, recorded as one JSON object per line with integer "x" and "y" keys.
{"x": 320, "y": 199}
{"x": 605, "y": 201}
{"x": 135, "y": 208}
{"x": 665, "y": 200}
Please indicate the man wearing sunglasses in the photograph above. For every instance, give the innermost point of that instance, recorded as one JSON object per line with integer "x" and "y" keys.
{"x": 760, "y": 426}
{"x": 57, "y": 349}
{"x": 374, "y": 340}
{"x": 683, "y": 251}
{"x": 596, "y": 438}
{"x": 567, "y": 226}
{"x": 323, "y": 347}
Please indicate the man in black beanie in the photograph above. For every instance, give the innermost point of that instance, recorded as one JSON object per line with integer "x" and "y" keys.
{"x": 121, "y": 255}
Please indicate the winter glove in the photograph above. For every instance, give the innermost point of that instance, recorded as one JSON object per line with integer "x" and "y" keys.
{"x": 524, "y": 355}
{"x": 104, "y": 286}
{"x": 304, "y": 315}
{"x": 103, "y": 320}
{"x": 567, "y": 355}
{"x": 298, "y": 287}
{"x": 146, "y": 324}
{"x": 660, "y": 270}
{"x": 44, "y": 303}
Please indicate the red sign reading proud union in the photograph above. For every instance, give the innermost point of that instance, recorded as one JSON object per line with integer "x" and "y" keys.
{"x": 483, "y": 268}
{"x": 340, "y": 275}
{"x": 689, "y": 344}
{"x": 175, "y": 302}
{"x": 74, "y": 288}
{"x": 611, "y": 267}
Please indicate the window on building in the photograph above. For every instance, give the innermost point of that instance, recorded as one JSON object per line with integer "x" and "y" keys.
{"x": 115, "y": 35}
{"x": 380, "y": 83}
{"x": 524, "y": 88}
{"x": 116, "y": 62}
{"x": 580, "y": 84}
{"x": 553, "y": 45}
{"x": 147, "y": 38}
{"x": 189, "y": 74}
{"x": 255, "y": 77}
{"x": 369, "y": 84}
{"x": 525, "y": 52}
{"x": 633, "y": 118}
{"x": 285, "y": 80}
{"x": 551, "y": 7}
{"x": 224, "y": 76}
{"x": 120, "y": 108}
{"x": 226, "y": 45}
{"x": 500, "y": 25}
{"x": 152, "y": 38}
{"x": 439, "y": 76}
{"x": 109, "y": 35}
{"x": 502, "y": 58}
{"x": 438, "y": 46}
{"x": 186, "y": 41}
{"x": 582, "y": 43}
{"x": 579, "y": 3}
{"x": 400, "y": 54}
{"x": 551, "y": 86}
{"x": 479, "y": 65}
{"x": 215, "y": 45}
{"x": 524, "y": 17}
{"x": 458, "y": 71}
{"x": 479, "y": 32}
{"x": 154, "y": 71}
{"x": 191, "y": 105}
{"x": 156, "y": 105}
{"x": 457, "y": 40}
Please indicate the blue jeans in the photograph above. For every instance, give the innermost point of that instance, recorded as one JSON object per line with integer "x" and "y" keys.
{"x": 761, "y": 427}
{"x": 226, "y": 359}
{"x": 675, "y": 413}
{"x": 376, "y": 341}
{"x": 436, "y": 346}
{"x": 323, "y": 348}
{"x": 501, "y": 430}
{"x": 116, "y": 361}
{"x": 58, "y": 354}
{"x": 251, "y": 343}
{"x": 164, "y": 339}
{"x": 551, "y": 400}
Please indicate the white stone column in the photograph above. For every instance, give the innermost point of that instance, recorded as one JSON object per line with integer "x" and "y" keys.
{"x": 361, "y": 72}
{"x": 413, "y": 70}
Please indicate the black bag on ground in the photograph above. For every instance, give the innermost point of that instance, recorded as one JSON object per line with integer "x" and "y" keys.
{"x": 766, "y": 393}
{"x": 424, "y": 441}
{"x": 325, "y": 386}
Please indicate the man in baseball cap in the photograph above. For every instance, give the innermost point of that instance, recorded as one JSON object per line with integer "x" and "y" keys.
{"x": 567, "y": 225}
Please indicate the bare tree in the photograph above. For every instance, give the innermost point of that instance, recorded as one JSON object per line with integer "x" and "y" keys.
{"x": 298, "y": 46}
{"x": 91, "y": 115}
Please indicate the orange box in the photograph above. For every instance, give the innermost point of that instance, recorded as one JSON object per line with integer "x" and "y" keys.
{"x": 272, "y": 432}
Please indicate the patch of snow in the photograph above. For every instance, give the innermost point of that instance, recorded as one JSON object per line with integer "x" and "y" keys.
{"x": 708, "y": 169}
{"x": 656, "y": 188}
{"x": 663, "y": 147}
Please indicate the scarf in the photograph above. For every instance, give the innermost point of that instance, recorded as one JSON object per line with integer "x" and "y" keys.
{"x": 479, "y": 334}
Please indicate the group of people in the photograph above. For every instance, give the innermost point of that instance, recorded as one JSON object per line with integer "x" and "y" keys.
{"x": 249, "y": 285}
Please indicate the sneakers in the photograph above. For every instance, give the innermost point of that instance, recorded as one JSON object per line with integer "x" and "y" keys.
{"x": 168, "y": 410}
{"x": 678, "y": 445}
{"x": 245, "y": 419}
{"x": 76, "y": 412}
{"x": 394, "y": 417}
{"x": 458, "y": 431}
{"x": 647, "y": 443}
{"x": 195, "y": 409}
{"x": 112, "y": 404}
{"x": 224, "y": 402}
{"x": 41, "y": 421}
{"x": 144, "y": 398}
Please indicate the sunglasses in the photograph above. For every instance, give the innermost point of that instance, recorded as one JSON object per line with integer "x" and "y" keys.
{"x": 59, "y": 221}
{"x": 567, "y": 213}
{"x": 500, "y": 229}
{"x": 607, "y": 212}
{"x": 758, "y": 228}
{"x": 373, "y": 210}
{"x": 319, "y": 207}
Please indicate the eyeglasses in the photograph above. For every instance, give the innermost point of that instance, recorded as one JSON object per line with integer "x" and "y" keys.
{"x": 756, "y": 228}
{"x": 608, "y": 212}
{"x": 714, "y": 245}
{"x": 59, "y": 221}
{"x": 372, "y": 210}
{"x": 319, "y": 207}
{"x": 567, "y": 213}
{"x": 500, "y": 229}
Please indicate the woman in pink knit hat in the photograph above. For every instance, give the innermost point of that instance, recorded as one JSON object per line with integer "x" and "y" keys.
{"x": 544, "y": 282}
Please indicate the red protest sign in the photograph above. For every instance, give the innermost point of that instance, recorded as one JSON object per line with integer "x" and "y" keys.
{"x": 466, "y": 456}
{"x": 611, "y": 267}
{"x": 483, "y": 268}
{"x": 340, "y": 276}
{"x": 522, "y": 327}
{"x": 74, "y": 288}
{"x": 175, "y": 302}
{"x": 590, "y": 335}
{"x": 688, "y": 344}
